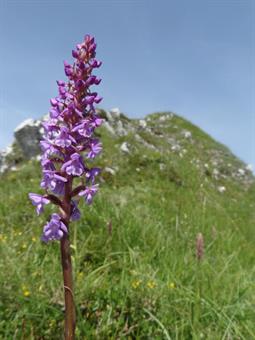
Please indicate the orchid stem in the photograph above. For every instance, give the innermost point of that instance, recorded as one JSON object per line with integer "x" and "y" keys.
{"x": 70, "y": 317}
{"x": 68, "y": 289}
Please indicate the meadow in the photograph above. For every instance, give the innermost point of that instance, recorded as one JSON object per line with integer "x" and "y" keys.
{"x": 134, "y": 250}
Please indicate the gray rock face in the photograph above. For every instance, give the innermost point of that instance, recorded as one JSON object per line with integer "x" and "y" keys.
{"x": 115, "y": 113}
{"x": 1, "y": 160}
{"x": 112, "y": 115}
{"x": 114, "y": 124}
{"x": 141, "y": 140}
{"x": 109, "y": 117}
{"x": 110, "y": 170}
{"x": 108, "y": 127}
{"x": 142, "y": 123}
{"x": 120, "y": 131}
{"x": 28, "y": 136}
{"x": 3, "y": 155}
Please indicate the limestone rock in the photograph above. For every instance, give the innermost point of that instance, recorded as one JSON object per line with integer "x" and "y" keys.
{"x": 124, "y": 147}
{"x": 108, "y": 127}
{"x": 142, "y": 123}
{"x": 3, "y": 158}
{"x": 110, "y": 170}
{"x": 249, "y": 167}
{"x": 109, "y": 117}
{"x": 221, "y": 189}
{"x": 115, "y": 113}
{"x": 120, "y": 131}
{"x": 28, "y": 136}
{"x": 142, "y": 141}
{"x": 1, "y": 161}
{"x": 186, "y": 134}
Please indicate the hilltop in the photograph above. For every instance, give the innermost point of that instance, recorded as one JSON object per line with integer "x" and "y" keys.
{"x": 164, "y": 181}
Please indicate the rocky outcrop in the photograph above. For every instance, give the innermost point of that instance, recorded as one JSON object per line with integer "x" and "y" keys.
{"x": 6, "y": 160}
{"x": 1, "y": 162}
{"x": 29, "y": 133}
{"x": 161, "y": 133}
{"x": 28, "y": 136}
{"x": 25, "y": 145}
{"x": 116, "y": 122}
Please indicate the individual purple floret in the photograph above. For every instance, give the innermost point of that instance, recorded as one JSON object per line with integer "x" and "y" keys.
{"x": 95, "y": 148}
{"x": 54, "y": 230}
{"x": 54, "y": 182}
{"x": 74, "y": 166}
{"x": 85, "y": 129}
{"x": 38, "y": 201}
{"x": 64, "y": 139}
{"x": 92, "y": 173}
{"x": 89, "y": 193}
{"x": 69, "y": 141}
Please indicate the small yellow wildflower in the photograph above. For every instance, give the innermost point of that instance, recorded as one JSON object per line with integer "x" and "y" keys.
{"x": 26, "y": 293}
{"x": 20, "y": 233}
{"x": 171, "y": 285}
{"x": 136, "y": 284}
{"x": 3, "y": 238}
{"x": 151, "y": 284}
{"x": 80, "y": 275}
{"x": 52, "y": 323}
{"x": 24, "y": 246}
{"x": 33, "y": 239}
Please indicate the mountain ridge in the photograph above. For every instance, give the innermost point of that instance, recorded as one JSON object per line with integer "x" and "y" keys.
{"x": 117, "y": 124}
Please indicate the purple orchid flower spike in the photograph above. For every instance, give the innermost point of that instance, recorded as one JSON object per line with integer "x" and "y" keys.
{"x": 68, "y": 140}
{"x": 69, "y": 134}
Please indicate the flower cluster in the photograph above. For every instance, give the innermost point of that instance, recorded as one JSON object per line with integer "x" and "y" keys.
{"x": 69, "y": 142}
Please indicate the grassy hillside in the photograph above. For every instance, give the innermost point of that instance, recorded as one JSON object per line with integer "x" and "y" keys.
{"x": 136, "y": 273}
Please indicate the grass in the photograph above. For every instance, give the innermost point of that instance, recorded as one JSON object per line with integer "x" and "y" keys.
{"x": 133, "y": 251}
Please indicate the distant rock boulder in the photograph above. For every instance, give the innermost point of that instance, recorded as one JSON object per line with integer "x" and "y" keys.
{"x": 1, "y": 160}
{"x": 115, "y": 113}
{"x": 125, "y": 147}
{"x": 6, "y": 160}
{"x": 111, "y": 115}
{"x": 28, "y": 136}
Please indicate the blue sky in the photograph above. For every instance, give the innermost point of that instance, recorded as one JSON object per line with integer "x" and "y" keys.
{"x": 195, "y": 58}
